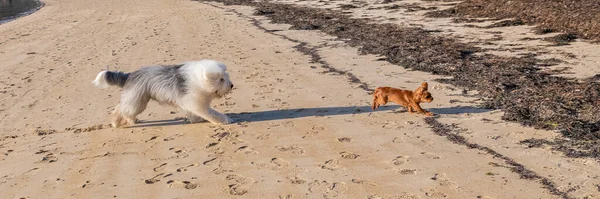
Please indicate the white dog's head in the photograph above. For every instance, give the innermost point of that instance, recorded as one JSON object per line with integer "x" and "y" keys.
{"x": 215, "y": 76}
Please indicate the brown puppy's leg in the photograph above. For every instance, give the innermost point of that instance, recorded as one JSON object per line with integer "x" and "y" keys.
{"x": 375, "y": 105}
{"x": 420, "y": 110}
{"x": 379, "y": 99}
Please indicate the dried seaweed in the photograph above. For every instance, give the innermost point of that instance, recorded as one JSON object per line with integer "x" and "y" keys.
{"x": 581, "y": 17}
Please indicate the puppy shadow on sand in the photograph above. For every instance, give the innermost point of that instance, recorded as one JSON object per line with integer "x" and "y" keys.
{"x": 270, "y": 115}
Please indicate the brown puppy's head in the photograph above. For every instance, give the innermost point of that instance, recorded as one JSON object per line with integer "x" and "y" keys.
{"x": 422, "y": 95}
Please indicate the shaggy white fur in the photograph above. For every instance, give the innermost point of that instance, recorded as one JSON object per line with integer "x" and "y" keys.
{"x": 190, "y": 86}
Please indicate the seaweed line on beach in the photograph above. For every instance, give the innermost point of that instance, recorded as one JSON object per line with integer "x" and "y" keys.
{"x": 579, "y": 18}
{"x": 525, "y": 173}
{"x": 513, "y": 84}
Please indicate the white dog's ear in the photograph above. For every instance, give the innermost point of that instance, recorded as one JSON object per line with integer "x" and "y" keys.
{"x": 222, "y": 66}
{"x": 212, "y": 75}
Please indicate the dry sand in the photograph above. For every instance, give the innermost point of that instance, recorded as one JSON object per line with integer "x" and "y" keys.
{"x": 300, "y": 133}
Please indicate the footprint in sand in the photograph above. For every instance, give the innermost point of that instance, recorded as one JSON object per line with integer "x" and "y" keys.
{"x": 296, "y": 180}
{"x": 400, "y": 160}
{"x": 263, "y": 136}
{"x": 42, "y": 132}
{"x": 327, "y": 189}
{"x": 217, "y": 150}
{"x": 224, "y": 167}
{"x": 238, "y": 190}
{"x": 179, "y": 152}
{"x": 318, "y": 128}
{"x": 310, "y": 133}
{"x": 241, "y": 185}
{"x": 408, "y": 171}
{"x": 87, "y": 184}
{"x": 240, "y": 179}
{"x": 207, "y": 162}
{"x": 331, "y": 165}
{"x": 433, "y": 193}
{"x": 279, "y": 163}
{"x": 88, "y": 129}
{"x": 445, "y": 182}
{"x": 221, "y": 170}
{"x": 182, "y": 169}
{"x": 49, "y": 158}
{"x": 345, "y": 139}
{"x": 172, "y": 137}
{"x": 288, "y": 124}
{"x": 386, "y": 196}
{"x": 372, "y": 183}
{"x": 349, "y": 155}
{"x": 392, "y": 125}
{"x": 84, "y": 170}
{"x": 152, "y": 138}
{"x": 181, "y": 184}
{"x": 293, "y": 149}
{"x": 154, "y": 179}
{"x": 428, "y": 141}
{"x": 286, "y": 197}
{"x": 243, "y": 124}
{"x": 160, "y": 168}
{"x": 246, "y": 150}
{"x": 274, "y": 164}
{"x": 398, "y": 140}
{"x": 431, "y": 155}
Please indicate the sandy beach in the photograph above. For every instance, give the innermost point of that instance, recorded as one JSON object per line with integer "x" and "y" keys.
{"x": 300, "y": 131}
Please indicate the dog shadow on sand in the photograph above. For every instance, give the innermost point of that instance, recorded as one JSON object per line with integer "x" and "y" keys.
{"x": 270, "y": 115}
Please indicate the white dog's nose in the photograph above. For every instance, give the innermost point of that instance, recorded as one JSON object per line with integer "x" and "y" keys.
{"x": 231, "y": 85}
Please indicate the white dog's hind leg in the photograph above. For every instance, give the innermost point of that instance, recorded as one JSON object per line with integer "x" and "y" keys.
{"x": 117, "y": 118}
{"x": 132, "y": 104}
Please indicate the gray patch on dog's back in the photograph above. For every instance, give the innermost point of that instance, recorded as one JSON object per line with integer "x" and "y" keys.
{"x": 116, "y": 78}
{"x": 166, "y": 80}
{"x": 178, "y": 79}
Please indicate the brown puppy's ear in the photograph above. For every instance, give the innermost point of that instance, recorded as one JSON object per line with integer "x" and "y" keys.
{"x": 424, "y": 86}
{"x": 376, "y": 91}
{"x": 421, "y": 88}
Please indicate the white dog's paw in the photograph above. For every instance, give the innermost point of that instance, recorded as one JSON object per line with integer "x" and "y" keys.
{"x": 195, "y": 119}
{"x": 191, "y": 118}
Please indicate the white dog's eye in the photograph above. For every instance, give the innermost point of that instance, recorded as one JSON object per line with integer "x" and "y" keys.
{"x": 222, "y": 79}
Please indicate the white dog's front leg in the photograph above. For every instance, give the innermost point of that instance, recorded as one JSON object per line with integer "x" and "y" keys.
{"x": 193, "y": 118}
{"x": 203, "y": 110}
{"x": 217, "y": 117}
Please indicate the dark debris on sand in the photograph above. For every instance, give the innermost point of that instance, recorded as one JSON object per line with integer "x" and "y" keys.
{"x": 505, "y": 23}
{"x": 562, "y": 39}
{"x": 569, "y": 148}
{"x": 513, "y": 84}
{"x": 581, "y": 17}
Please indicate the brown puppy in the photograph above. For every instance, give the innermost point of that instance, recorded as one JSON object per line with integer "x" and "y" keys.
{"x": 406, "y": 98}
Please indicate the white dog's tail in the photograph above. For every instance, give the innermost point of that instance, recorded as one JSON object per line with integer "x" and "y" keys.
{"x": 110, "y": 78}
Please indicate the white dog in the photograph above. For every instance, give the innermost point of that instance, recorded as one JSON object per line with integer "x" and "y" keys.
{"x": 190, "y": 86}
